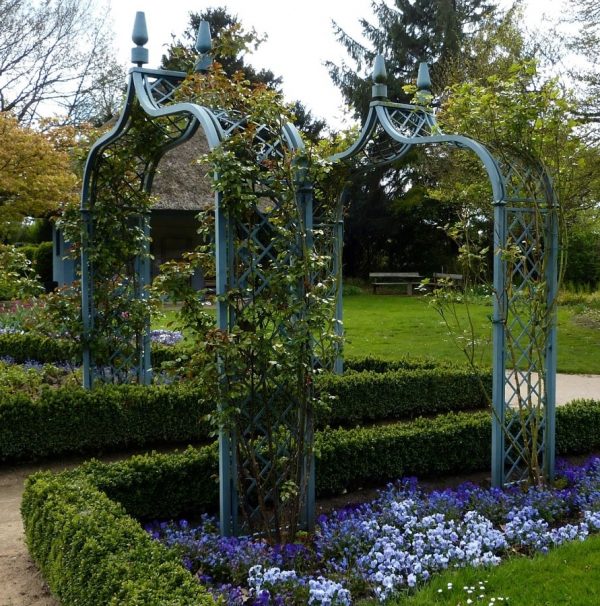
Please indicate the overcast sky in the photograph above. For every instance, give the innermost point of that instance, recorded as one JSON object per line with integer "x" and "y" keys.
{"x": 300, "y": 37}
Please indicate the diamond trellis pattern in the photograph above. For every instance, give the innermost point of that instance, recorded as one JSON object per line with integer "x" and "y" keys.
{"x": 527, "y": 343}
{"x": 410, "y": 123}
{"x": 273, "y": 408}
{"x": 114, "y": 351}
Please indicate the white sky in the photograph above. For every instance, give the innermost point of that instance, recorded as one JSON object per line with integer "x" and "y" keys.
{"x": 300, "y": 37}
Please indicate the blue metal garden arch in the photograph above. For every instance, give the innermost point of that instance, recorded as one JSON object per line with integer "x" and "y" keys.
{"x": 151, "y": 114}
{"x": 525, "y": 209}
{"x": 523, "y": 202}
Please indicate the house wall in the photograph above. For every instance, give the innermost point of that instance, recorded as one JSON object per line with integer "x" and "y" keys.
{"x": 173, "y": 233}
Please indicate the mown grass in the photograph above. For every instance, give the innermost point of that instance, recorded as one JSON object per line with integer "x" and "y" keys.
{"x": 568, "y": 575}
{"x": 391, "y": 326}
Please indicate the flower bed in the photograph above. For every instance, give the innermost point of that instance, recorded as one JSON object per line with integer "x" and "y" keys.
{"x": 85, "y": 563}
{"x": 380, "y": 549}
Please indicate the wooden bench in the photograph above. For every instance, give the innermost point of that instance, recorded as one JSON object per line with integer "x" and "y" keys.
{"x": 446, "y": 279}
{"x": 408, "y": 279}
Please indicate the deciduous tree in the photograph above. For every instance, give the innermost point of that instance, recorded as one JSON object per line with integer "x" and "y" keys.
{"x": 34, "y": 177}
{"x": 56, "y": 55}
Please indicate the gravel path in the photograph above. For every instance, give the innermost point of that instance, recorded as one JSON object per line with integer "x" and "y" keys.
{"x": 21, "y": 583}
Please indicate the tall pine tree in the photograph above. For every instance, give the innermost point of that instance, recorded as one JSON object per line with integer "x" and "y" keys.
{"x": 396, "y": 226}
{"x": 436, "y": 31}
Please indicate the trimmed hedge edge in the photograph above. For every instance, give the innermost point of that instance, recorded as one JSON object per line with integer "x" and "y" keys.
{"x": 91, "y": 552}
{"x": 72, "y": 420}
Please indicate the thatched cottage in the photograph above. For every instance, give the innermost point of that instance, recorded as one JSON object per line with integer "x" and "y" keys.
{"x": 182, "y": 188}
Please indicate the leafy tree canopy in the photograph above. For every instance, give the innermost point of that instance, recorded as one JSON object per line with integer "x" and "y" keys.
{"x": 232, "y": 44}
{"x": 35, "y": 178}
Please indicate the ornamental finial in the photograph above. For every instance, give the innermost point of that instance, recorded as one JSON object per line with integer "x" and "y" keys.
{"x": 139, "y": 54}
{"x": 423, "y": 79}
{"x": 379, "y": 90}
{"x": 203, "y": 46}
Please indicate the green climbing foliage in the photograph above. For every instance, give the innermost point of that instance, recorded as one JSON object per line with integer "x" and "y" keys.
{"x": 276, "y": 324}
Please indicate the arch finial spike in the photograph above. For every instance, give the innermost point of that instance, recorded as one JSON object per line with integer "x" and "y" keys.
{"x": 203, "y": 46}
{"x": 423, "y": 78}
{"x": 379, "y": 71}
{"x": 203, "y": 39}
{"x": 379, "y": 90}
{"x": 139, "y": 54}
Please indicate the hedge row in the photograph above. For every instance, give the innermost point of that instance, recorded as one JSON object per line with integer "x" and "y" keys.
{"x": 68, "y": 420}
{"x": 369, "y": 363}
{"x": 34, "y": 346}
{"x": 166, "y": 485}
{"x": 403, "y": 394}
{"x": 91, "y": 552}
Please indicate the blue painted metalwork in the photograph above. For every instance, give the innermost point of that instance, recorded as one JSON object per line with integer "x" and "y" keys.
{"x": 525, "y": 210}
{"x": 151, "y": 112}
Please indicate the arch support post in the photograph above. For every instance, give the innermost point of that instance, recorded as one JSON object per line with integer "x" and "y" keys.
{"x": 499, "y": 344}
{"x": 524, "y": 373}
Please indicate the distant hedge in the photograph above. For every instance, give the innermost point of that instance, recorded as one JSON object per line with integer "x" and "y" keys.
{"x": 34, "y": 346}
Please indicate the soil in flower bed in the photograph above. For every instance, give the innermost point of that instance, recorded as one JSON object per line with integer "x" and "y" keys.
{"x": 386, "y": 547}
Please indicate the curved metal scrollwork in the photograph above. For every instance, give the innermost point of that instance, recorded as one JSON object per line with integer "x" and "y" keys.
{"x": 525, "y": 223}
{"x": 151, "y": 123}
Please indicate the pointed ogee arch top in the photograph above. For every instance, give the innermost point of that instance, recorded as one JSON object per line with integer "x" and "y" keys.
{"x": 393, "y": 128}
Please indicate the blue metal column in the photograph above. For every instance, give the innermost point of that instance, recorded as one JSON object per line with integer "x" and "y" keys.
{"x": 338, "y": 250}
{"x": 143, "y": 277}
{"x": 551, "y": 253}
{"x": 305, "y": 203}
{"x": 227, "y": 468}
{"x": 86, "y": 296}
{"x": 499, "y": 344}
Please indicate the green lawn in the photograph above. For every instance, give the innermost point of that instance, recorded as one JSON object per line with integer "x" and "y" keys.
{"x": 567, "y": 576}
{"x": 388, "y": 326}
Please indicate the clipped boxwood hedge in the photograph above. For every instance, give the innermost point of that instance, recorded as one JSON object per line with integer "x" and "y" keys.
{"x": 25, "y": 346}
{"x": 373, "y": 364}
{"x": 80, "y": 533}
{"x": 32, "y": 346}
{"x": 92, "y": 553}
{"x": 403, "y": 393}
{"x": 68, "y": 420}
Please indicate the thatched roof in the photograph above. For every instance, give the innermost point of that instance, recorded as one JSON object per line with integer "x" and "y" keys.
{"x": 180, "y": 182}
